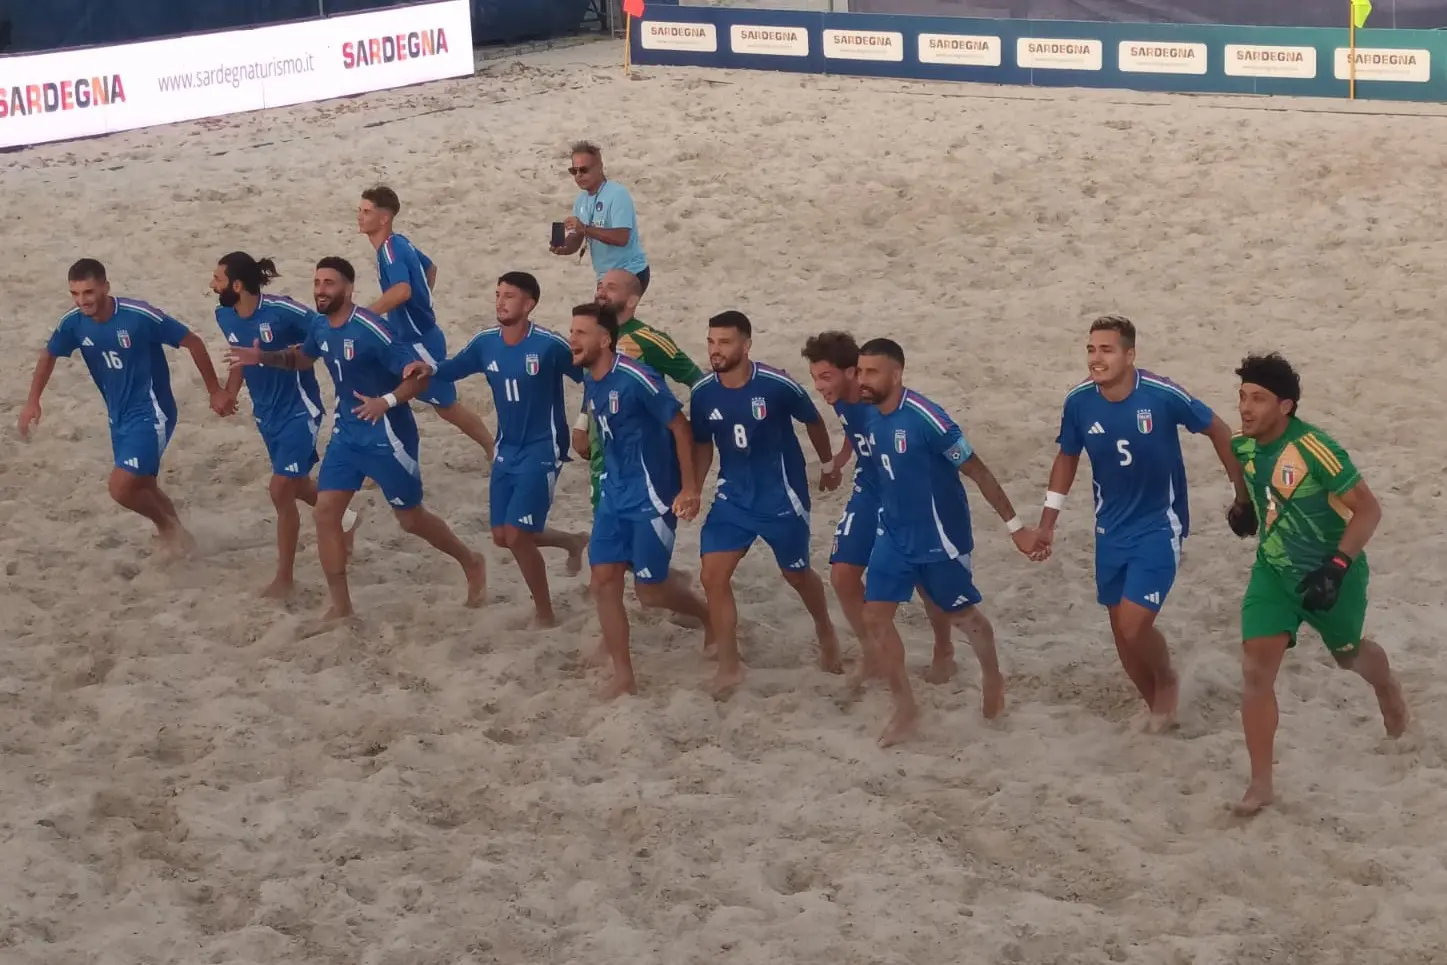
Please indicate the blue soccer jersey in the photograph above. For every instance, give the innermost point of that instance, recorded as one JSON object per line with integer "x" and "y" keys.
{"x": 761, "y": 468}
{"x": 923, "y": 509}
{"x": 856, "y": 417}
{"x": 277, "y": 395}
{"x": 633, "y": 408}
{"x": 1138, "y": 473}
{"x": 364, "y": 359}
{"x": 398, "y": 261}
{"x": 527, "y": 388}
{"x": 126, "y": 358}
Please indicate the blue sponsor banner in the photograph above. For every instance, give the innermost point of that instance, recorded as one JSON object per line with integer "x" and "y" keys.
{"x": 1409, "y": 65}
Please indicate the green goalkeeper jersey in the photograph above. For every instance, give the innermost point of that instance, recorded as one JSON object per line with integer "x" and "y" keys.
{"x": 655, "y": 350}
{"x": 1297, "y": 484}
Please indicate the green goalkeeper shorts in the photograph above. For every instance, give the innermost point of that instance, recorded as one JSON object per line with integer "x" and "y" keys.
{"x": 1272, "y": 606}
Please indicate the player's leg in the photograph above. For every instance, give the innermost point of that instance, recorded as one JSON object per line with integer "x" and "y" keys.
{"x": 942, "y": 666}
{"x": 339, "y": 479}
{"x": 722, "y": 544}
{"x": 789, "y": 539}
{"x": 1150, "y": 572}
{"x": 652, "y": 555}
{"x": 1110, "y": 574}
{"x": 1269, "y": 620}
{"x": 519, "y": 511}
{"x": 1341, "y": 631}
{"x": 854, "y": 536}
{"x": 610, "y": 552}
{"x": 889, "y": 581}
{"x": 293, "y": 453}
{"x": 951, "y": 585}
{"x": 442, "y": 396}
{"x": 133, "y": 483}
{"x": 399, "y": 477}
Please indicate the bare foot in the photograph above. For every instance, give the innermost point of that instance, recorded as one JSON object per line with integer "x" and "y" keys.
{"x": 859, "y": 675}
{"x": 575, "y": 556}
{"x": 993, "y": 691}
{"x": 1256, "y": 798}
{"x": 941, "y": 672}
{"x": 901, "y": 727}
{"x": 725, "y": 682}
{"x": 278, "y": 589}
{"x": 476, "y": 581}
{"x": 597, "y": 657}
{"x": 333, "y": 618}
{"x": 829, "y": 659}
{"x": 1141, "y": 722}
{"x": 1395, "y": 715}
{"x": 710, "y": 649}
{"x": 543, "y": 620}
{"x": 1168, "y": 698}
{"x": 176, "y": 545}
{"x": 617, "y": 686}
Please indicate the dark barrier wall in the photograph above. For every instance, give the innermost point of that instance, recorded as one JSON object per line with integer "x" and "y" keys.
{"x": 1406, "y": 14}
{"x": 29, "y": 26}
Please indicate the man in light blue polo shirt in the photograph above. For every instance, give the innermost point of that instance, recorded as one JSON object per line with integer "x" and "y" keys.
{"x": 603, "y": 218}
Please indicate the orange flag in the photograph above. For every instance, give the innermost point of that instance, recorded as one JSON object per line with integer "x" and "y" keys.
{"x": 634, "y": 8}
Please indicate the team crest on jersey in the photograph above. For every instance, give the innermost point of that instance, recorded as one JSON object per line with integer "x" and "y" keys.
{"x": 760, "y": 410}
{"x": 124, "y": 337}
{"x": 1143, "y": 421}
{"x": 532, "y": 364}
{"x": 266, "y": 331}
{"x": 613, "y": 402}
{"x": 349, "y": 351}
{"x": 901, "y": 440}
{"x": 1288, "y": 476}
{"x": 598, "y": 206}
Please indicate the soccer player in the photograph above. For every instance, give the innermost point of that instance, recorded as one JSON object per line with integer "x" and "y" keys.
{"x": 122, "y": 342}
{"x": 287, "y": 406}
{"x": 925, "y": 537}
{"x": 1316, "y": 515}
{"x": 833, "y": 359}
{"x": 603, "y": 219}
{"x": 649, "y": 485}
{"x": 620, "y": 291}
{"x": 525, "y": 365}
{"x": 407, "y": 277}
{"x": 374, "y": 439}
{"x": 1127, "y": 420}
{"x": 747, "y": 411}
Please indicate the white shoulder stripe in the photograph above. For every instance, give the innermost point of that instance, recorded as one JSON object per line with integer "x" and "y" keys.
{"x": 548, "y": 332}
{"x": 140, "y": 307}
{"x": 781, "y": 377}
{"x": 479, "y": 337}
{"x": 710, "y": 377}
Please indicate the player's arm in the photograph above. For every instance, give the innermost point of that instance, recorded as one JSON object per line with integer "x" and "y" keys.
{"x": 1062, "y": 476}
{"x": 974, "y": 469}
{"x": 44, "y": 366}
{"x": 581, "y": 443}
{"x": 702, "y": 441}
{"x": 1220, "y": 435}
{"x": 429, "y": 268}
{"x": 619, "y": 216}
{"x": 686, "y": 506}
{"x": 1330, "y": 464}
{"x": 192, "y": 343}
{"x": 293, "y": 358}
{"x": 396, "y": 282}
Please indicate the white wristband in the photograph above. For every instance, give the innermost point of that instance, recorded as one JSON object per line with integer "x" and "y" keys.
{"x": 1014, "y": 525}
{"x": 1054, "y": 500}
{"x": 581, "y": 423}
{"x": 390, "y": 399}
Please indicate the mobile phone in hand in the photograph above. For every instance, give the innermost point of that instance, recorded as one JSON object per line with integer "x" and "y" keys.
{"x": 559, "y": 238}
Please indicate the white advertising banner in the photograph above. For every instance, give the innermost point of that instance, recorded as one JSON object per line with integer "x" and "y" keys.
{"x": 80, "y": 93}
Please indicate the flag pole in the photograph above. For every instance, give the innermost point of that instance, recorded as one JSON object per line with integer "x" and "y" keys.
{"x": 1351, "y": 52}
{"x": 627, "y": 43}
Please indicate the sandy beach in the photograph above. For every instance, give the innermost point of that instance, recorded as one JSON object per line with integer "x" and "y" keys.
{"x": 183, "y": 779}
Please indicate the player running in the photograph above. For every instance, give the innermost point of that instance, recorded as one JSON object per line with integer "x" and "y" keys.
{"x": 525, "y": 365}
{"x": 122, "y": 343}
{"x": 925, "y": 537}
{"x": 407, "y": 277}
{"x": 648, "y": 485}
{"x": 620, "y": 290}
{"x": 374, "y": 439}
{"x": 1127, "y": 420}
{"x": 747, "y": 410}
{"x": 287, "y": 406}
{"x": 1317, "y": 515}
{"x": 833, "y": 359}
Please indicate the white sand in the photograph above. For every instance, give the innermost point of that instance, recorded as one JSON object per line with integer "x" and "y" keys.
{"x": 183, "y": 780}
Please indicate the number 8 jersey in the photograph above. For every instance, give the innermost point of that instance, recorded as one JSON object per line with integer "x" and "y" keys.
{"x": 1135, "y": 454}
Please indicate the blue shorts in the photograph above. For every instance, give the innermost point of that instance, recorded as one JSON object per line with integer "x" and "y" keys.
{"x": 522, "y": 499}
{"x": 728, "y": 529}
{"x": 394, "y": 469}
{"x": 1141, "y": 571}
{"x": 432, "y": 349}
{"x": 292, "y": 446}
{"x": 855, "y": 534}
{"x": 645, "y": 544}
{"x": 139, "y": 445}
{"x": 891, "y": 578}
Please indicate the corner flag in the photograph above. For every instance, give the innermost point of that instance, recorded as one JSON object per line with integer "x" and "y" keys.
{"x": 634, "y": 8}
{"x": 1361, "y": 10}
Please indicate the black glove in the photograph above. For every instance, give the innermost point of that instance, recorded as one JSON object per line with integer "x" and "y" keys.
{"x": 1320, "y": 587}
{"x": 1241, "y": 517}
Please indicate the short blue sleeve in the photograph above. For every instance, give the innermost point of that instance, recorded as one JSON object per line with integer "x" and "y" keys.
{"x": 397, "y": 355}
{"x": 564, "y": 356}
{"x": 618, "y": 210}
{"x": 170, "y": 331}
{"x": 294, "y": 329}
{"x": 1185, "y": 408}
{"x": 942, "y": 435}
{"x": 311, "y": 345}
{"x": 802, "y": 408}
{"x": 1070, "y": 440}
{"x": 423, "y": 259}
{"x": 470, "y": 361}
{"x": 663, "y": 405}
{"x": 393, "y": 272}
{"x": 698, "y": 418}
{"x": 63, "y": 342}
